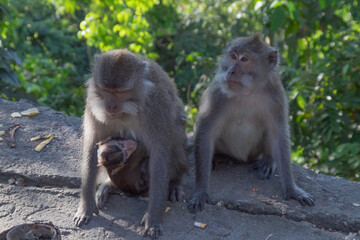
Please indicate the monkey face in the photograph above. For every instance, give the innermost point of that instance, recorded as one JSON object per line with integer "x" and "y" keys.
{"x": 115, "y": 89}
{"x": 115, "y": 151}
{"x": 245, "y": 65}
{"x": 239, "y": 74}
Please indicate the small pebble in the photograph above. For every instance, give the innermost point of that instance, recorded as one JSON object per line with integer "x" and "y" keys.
{"x": 20, "y": 182}
{"x": 11, "y": 181}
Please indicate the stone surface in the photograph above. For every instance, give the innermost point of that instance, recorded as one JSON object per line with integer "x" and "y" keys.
{"x": 242, "y": 207}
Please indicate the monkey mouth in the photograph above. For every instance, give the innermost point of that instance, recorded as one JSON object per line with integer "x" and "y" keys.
{"x": 101, "y": 162}
{"x": 234, "y": 84}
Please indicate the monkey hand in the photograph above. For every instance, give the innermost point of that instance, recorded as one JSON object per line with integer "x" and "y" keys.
{"x": 153, "y": 228}
{"x": 84, "y": 213}
{"x": 298, "y": 194}
{"x": 197, "y": 202}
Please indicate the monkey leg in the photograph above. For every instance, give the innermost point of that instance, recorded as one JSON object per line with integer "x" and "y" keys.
{"x": 264, "y": 168}
{"x": 175, "y": 191}
{"x": 159, "y": 183}
{"x": 178, "y": 169}
{"x": 87, "y": 206}
{"x": 102, "y": 193}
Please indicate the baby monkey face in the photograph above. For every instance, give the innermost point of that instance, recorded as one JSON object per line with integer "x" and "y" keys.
{"x": 115, "y": 151}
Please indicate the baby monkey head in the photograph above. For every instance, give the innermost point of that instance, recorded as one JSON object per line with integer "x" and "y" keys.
{"x": 113, "y": 152}
{"x": 247, "y": 65}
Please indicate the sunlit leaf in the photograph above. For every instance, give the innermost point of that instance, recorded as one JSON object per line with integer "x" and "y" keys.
{"x": 301, "y": 101}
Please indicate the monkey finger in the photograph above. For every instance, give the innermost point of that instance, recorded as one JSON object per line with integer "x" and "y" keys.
{"x": 302, "y": 201}
{"x": 79, "y": 221}
{"x": 153, "y": 232}
{"x": 310, "y": 201}
{"x": 172, "y": 196}
{"x": 201, "y": 206}
{"x": 179, "y": 196}
{"x": 192, "y": 207}
{"x": 96, "y": 211}
{"x": 87, "y": 219}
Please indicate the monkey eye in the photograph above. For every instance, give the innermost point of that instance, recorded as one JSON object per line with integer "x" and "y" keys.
{"x": 124, "y": 91}
{"x": 122, "y": 145}
{"x": 233, "y": 56}
{"x": 244, "y": 59}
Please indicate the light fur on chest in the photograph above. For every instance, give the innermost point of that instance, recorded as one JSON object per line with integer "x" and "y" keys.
{"x": 243, "y": 128}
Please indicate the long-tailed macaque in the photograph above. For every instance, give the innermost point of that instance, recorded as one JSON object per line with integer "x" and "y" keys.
{"x": 133, "y": 94}
{"x": 244, "y": 114}
{"x": 127, "y": 165}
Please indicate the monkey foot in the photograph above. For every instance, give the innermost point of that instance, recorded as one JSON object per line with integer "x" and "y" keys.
{"x": 264, "y": 168}
{"x": 102, "y": 194}
{"x": 175, "y": 194}
{"x": 298, "y": 194}
{"x": 153, "y": 231}
{"x": 198, "y": 201}
{"x": 84, "y": 214}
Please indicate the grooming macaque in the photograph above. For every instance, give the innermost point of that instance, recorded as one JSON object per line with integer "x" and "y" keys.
{"x": 133, "y": 94}
{"x": 244, "y": 114}
{"x": 126, "y": 163}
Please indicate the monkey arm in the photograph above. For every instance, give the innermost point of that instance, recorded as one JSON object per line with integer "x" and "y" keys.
{"x": 87, "y": 205}
{"x": 208, "y": 127}
{"x": 280, "y": 148}
{"x": 159, "y": 180}
{"x": 207, "y": 130}
{"x": 204, "y": 149}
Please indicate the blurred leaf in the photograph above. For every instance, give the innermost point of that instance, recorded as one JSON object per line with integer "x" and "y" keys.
{"x": 277, "y": 18}
{"x": 322, "y": 3}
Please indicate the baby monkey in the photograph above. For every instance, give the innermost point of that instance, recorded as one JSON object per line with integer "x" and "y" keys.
{"x": 126, "y": 164}
{"x": 244, "y": 114}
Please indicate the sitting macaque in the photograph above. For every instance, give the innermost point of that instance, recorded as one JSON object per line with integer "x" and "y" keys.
{"x": 126, "y": 164}
{"x": 244, "y": 114}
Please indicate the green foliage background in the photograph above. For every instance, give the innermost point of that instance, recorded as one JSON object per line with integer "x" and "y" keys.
{"x": 46, "y": 49}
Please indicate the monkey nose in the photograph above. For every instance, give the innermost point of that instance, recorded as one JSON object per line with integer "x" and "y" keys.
{"x": 112, "y": 108}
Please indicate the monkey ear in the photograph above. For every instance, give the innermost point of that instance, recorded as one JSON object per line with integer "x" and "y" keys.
{"x": 145, "y": 66}
{"x": 273, "y": 58}
{"x": 97, "y": 57}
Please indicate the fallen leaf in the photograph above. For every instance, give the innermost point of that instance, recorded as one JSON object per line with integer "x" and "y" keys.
{"x": 10, "y": 133}
{"x": 356, "y": 204}
{"x": 44, "y": 143}
{"x": 30, "y": 112}
{"x": 11, "y": 181}
{"x": 15, "y": 115}
{"x": 2, "y": 133}
{"x": 39, "y": 137}
{"x": 255, "y": 189}
{"x": 268, "y": 237}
